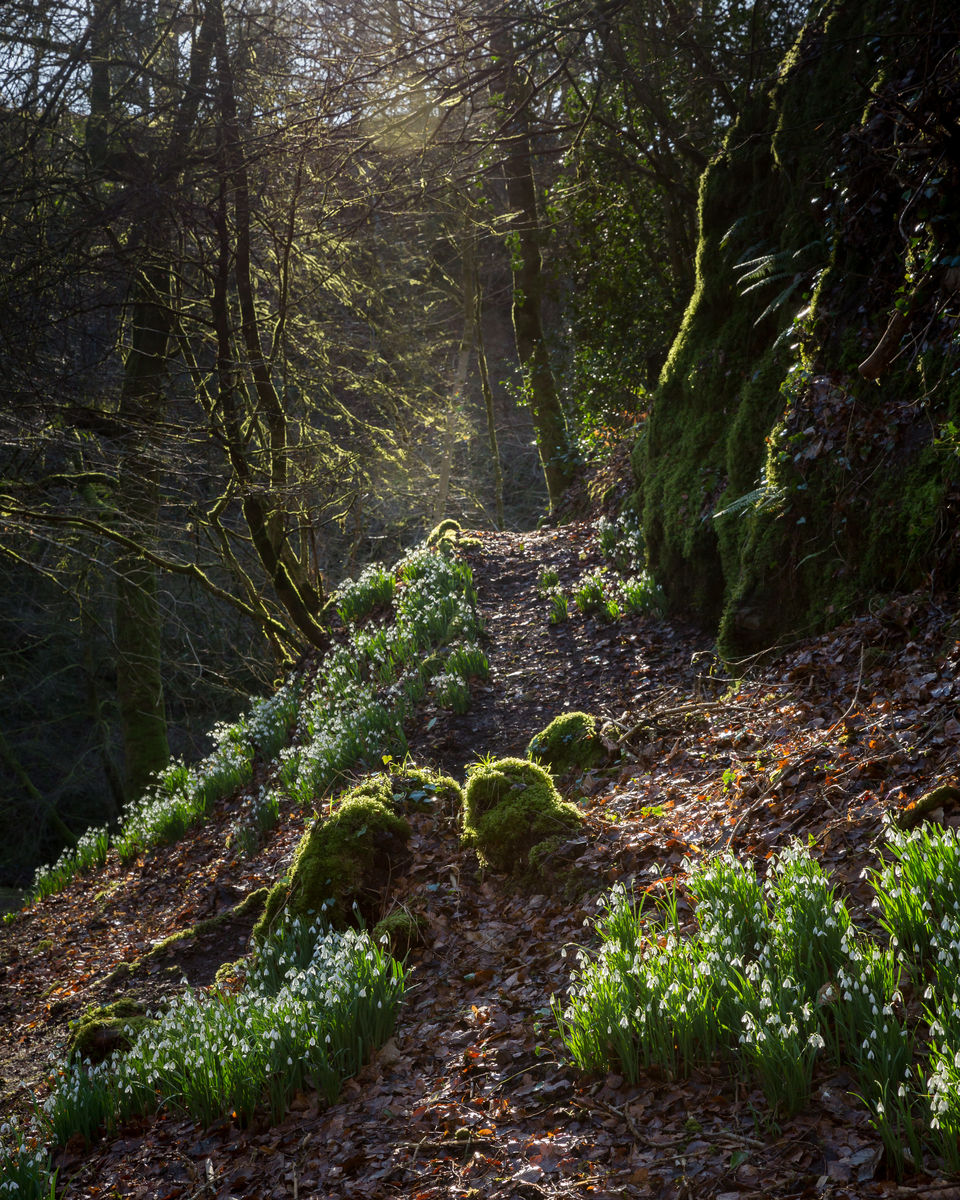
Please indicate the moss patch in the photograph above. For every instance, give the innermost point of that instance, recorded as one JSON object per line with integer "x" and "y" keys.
{"x": 247, "y": 910}
{"x": 402, "y": 929}
{"x": 570, "y": 741}
{"x": 343, "y": 865}
{"x": 446, "y": 532}
{"x": 102, "y": 1030}
{"x": 510, "y": 807}
{"x": 411, "y": 789}
{"x": 249, "y": 907}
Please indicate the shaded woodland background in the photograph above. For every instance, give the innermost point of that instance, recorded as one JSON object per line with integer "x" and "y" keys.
{"x": 285, "y": 284}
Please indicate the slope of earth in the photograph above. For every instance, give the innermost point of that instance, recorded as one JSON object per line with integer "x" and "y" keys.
{"x": 472, "y": 1097}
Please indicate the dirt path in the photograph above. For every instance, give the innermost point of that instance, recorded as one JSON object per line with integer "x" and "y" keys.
{"x": 538, "y": 669}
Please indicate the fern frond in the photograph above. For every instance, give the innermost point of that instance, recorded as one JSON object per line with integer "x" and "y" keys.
{"x": 778, "y": 300}
{"x": 760, "y": 498}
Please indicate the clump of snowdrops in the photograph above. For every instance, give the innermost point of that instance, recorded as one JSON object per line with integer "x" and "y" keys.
{"x": 363, "y": 692}
{"x": 367, "y": 688}
{"x": 314, "y": 1003}
{"x": 775, "y": 978}
{"x": 182, "y": 795}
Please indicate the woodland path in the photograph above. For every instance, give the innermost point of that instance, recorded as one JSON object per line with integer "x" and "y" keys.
{"x": 469, "y": 1098}
{"x": 537, "y": 669}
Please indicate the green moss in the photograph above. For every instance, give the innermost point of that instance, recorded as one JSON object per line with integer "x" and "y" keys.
{"x": 447, "y": 531}
{"x": 402, "y": 929}
{"x": 248, "y": 908}
{"x": 571, "y": 740}
{"x": 511, "y": 806}
{"x": 230, "y": 970}
{"x": 411, "y": 789}
{"x": 99, "y": 1031}
{"x": 343, "y": 864}
{"x": 844, "y": 491}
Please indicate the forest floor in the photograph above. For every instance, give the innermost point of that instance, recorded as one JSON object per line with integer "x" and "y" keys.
{"x": 472, "y": 1096}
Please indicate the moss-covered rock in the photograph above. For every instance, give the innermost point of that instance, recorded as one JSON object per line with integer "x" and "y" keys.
{"x": 99, "y": 1031}
{"x": 409, "y": 789}
{"x": 403, "y": 930}
{"x": 510, "y": 807}
{"x": 230, "y": 974}
{"x": 571, "y": 740}
{"x": 446, "y": 532}
{"x": 343, "y": 865}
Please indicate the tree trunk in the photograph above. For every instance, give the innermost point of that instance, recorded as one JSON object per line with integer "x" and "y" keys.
{"x": 263, "y": 498}
{"x": 539, "y": 384}
{"x": 143, "y": 717}
{"x": 491, "y": 415}
{"x": 462, "y": 365}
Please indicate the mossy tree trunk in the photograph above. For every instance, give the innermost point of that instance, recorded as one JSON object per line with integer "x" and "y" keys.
{"x": 141, "y": 408}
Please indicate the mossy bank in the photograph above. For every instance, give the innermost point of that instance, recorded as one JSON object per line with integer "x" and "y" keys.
{"x": 794, "y": 463}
